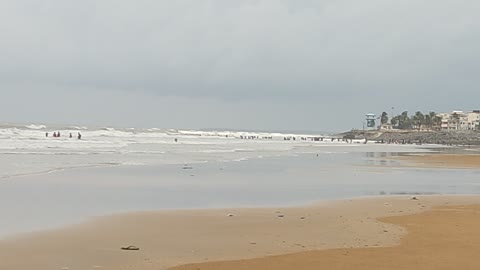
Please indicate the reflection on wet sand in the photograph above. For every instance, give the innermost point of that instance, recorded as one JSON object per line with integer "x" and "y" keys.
{"x": 467, "y": 161}
{"x": 442, "y": 157}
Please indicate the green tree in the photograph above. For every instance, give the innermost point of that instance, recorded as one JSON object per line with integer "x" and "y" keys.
{"x": 437, "y": 121}
{"x": 429, "y": 119}
{"x": 404, "y": 122}
{"x": 384, "y": 118}
{"x": 418, "y": 119}
{"x": 394, "y": 121}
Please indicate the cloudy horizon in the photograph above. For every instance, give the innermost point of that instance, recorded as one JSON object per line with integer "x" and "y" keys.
{"x": 252, "y": 64}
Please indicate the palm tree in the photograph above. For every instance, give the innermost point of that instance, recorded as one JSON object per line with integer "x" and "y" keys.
{"x": 429, "y": 119}
{"x": 437, "y": 121}
{"x": 404, "y": 122}
{"x": 419, "y": 119}
{"x": 384, "y": 118}
{"x": 394, "y": 121}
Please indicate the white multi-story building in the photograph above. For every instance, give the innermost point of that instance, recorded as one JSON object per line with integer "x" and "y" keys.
{"x": 470, "y": 121}
{"x": 459, "y": 120}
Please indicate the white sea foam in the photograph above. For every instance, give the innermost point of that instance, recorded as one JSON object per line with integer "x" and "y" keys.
{"x": 26, "y": 149}
{"x": 77, "y": 128}
{"x": 36, "y": 126}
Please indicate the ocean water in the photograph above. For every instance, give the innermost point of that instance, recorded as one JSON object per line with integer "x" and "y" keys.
{"x": 25, "y": 150}
{"x": 50, "y": 182}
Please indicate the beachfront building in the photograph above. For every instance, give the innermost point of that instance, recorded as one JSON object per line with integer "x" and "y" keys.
{"x": 470, "y": 121}
{"x": 385, "y": 126}
{"x": 459, "y": 120}
{"x": 449, "y": 122}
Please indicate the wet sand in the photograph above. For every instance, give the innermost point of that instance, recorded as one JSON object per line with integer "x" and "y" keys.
{"x": 443, "y": 160}
{"x": 172, "y": 238}
{"x": 443, "y": 238}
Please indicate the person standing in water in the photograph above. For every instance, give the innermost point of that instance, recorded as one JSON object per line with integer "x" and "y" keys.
{"x": 70, "y": 135}
{"x": 79, "y": 136}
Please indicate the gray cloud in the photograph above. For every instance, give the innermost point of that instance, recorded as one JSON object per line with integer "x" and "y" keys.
{"x": 279, "y": 64}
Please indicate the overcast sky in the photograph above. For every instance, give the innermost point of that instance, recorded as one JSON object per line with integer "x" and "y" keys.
{"x": 251, "y": 64}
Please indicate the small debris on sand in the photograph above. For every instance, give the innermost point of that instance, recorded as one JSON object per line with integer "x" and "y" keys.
{"x": 414, "y": 198}
{"x": 130, "y": 248}
{"x": 281, "y": 216}
{"x": 230, "y": 215}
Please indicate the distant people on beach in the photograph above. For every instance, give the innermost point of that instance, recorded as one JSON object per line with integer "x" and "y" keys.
{"x": 56, "y": 134}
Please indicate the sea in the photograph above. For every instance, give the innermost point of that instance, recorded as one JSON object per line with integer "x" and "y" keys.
{"x": 48, "y": 182}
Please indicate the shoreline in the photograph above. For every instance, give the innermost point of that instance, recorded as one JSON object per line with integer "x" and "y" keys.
{"x": 186, "y": 237}
{"x": 177, "y": 237}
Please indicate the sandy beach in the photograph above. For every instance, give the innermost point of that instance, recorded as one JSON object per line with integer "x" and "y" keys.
{"x": 379, "y": 232}
{"x": 443, "y": 238}
{"x": 175, "y": 238}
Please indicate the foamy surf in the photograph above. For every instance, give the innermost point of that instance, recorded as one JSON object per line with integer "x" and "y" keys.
{"x": 26, "y": 149}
